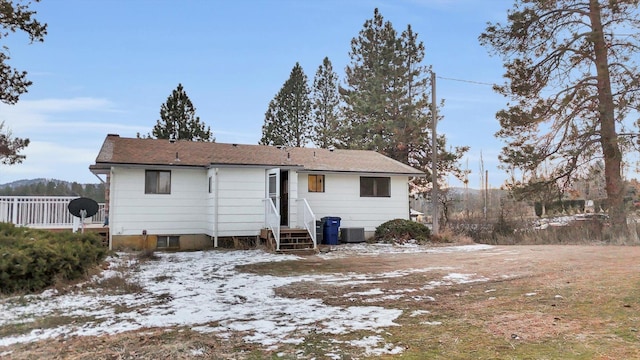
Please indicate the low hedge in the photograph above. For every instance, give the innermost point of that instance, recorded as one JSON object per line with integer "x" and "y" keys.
{"x": 32, "y": 260}
{"x": 401, "y": 230}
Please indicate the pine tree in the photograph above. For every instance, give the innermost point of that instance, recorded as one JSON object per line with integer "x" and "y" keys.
{"x": 10, "y": 147}
{"x": 368, "y": 80}
{"x": 325, "y": 101}
{"x": 288, "y": 118}
{"x": 573, "y": 80}
{"x": 178, "y": 120}
{"x": 386, "y": 99}
{"x": 15, "y": 16}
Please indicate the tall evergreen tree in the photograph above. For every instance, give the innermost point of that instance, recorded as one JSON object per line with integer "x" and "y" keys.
{"x": 15, "y": 16}
{"x": 368, "y": 80}
{"x": 178, "y": 120}
{"x": 571, "y": 70}
{"x": 288, "y": 118}
{"x": 386, "y": 99}
{"x": 325, "y": 101}
{"x": 10, "y": 147}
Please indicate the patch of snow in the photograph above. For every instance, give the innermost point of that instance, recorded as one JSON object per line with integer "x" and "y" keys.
{"x": 463, "y": 278}
{"x": 372, "y": 347}
{"x": 376, "y": 291}
{"x": 203, "y": 290}
{"x": 198, "y": 352}
{"x": 454, "y": 278}
{"x": 531, "y": 294}
{"x": 385, "y": 298}
{"x": 432, "y": 323}
{"x": 365, "y": 249}
{"x": 419, "y": 312}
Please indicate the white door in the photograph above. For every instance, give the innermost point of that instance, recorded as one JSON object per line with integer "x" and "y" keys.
{"x": 273, "y": 187}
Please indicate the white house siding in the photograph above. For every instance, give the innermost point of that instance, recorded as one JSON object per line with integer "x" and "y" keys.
{"x": 293, "y": 199}
{"x": 240, "y": 202}
{"x": 181, "y": 212}
{"x": 341, "y": 197}
{"x": 212, "y": 176}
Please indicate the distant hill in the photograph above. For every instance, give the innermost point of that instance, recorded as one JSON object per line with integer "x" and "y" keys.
{"x": 473, "y": 192}
{"x": 28, "y": 182}
{"x": 52, "y": 187}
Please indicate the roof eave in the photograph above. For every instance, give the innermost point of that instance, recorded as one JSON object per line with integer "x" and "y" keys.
{"x": 366, "y": 172}
{"x": 109, "y": 165}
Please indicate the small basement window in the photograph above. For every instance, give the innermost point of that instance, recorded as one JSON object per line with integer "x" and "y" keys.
{"x": 168, "y": 242}
{"x": 316, "y": 183}
{"x": 375, "y": 187}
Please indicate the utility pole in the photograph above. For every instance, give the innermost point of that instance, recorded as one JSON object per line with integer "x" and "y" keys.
{"x": 434, "y": 153}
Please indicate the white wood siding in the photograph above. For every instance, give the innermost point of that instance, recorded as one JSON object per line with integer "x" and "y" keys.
{"x": 191, "y": 208}
{"x": 293, "y": 200}
{"x": 240, "y": 202}
{"x": 181, "y": 212}
{"x": 341, "y": 197}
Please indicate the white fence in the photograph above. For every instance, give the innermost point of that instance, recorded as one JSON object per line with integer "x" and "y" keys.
{"x": 42, "y": 211}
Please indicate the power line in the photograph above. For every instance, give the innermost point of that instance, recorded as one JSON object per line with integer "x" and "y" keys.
{"x": 466, "y": 81}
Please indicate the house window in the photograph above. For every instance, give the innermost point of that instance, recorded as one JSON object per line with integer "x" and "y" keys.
{"x": 316, "y": 183}
{"x": 157, "y": 182}
{"x": 375, "y": 187}
{"x": 168, "y": 242}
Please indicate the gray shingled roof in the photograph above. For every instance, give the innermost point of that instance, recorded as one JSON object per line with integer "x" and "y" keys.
{"x": 118, "y": 150}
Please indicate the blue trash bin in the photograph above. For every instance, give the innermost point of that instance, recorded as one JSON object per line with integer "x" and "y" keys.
{"x": 330, "y": 230}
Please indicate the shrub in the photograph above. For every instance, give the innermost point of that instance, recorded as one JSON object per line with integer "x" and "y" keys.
{"x": 31, "y": 260}
{"x": 538, "y": 208}
{"x": 401, "y": 230}
{"x": 147, "y": 254}
{"x": 448, "y": 235}
{"x": 503, "y": 227}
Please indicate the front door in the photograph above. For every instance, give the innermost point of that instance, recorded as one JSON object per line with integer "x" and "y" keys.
{"x": 273, "y": 187}
{"x": 278, "y": 192}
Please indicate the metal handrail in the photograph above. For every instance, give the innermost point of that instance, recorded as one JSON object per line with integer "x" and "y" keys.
{"x": 308, "y": 220}
{"x": 272, "y": 220}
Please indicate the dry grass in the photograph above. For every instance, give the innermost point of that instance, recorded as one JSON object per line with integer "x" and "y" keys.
{"x": 559, "y": 302}
{"x": 146, "y": 255}
{"x": 539, "y": 302}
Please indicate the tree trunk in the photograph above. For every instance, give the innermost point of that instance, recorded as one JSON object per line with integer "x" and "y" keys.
{"x": 608, "y": 136}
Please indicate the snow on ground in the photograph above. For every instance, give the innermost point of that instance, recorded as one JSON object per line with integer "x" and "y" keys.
{"x": 365, "y": 249}
{"x": 204, "y": 291}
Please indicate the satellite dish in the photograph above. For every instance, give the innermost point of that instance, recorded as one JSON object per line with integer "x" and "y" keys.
{"x": 83, "y": 208}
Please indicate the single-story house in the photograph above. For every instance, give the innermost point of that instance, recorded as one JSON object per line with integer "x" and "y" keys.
{"x": 193, "y": 195}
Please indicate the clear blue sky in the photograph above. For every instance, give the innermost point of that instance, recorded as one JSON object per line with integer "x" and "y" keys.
{"x": 106, "y": 66}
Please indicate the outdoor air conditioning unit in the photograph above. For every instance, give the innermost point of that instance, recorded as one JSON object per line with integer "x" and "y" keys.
{"x": 351, "y": 235}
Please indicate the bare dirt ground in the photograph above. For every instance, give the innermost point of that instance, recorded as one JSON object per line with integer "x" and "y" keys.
{"x": 521, "y": 302}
